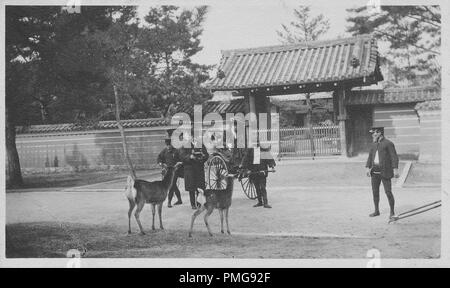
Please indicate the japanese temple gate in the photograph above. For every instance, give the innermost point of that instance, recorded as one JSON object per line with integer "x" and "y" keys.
{"x": 333, "y": 66}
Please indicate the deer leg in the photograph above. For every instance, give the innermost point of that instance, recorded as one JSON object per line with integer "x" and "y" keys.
{"x": 130, "y": 210}
{"x": 226, "y": 219}
{"x": 196, "y": 213}
{"x": 221, "y": 220}
{"x": 159, "y": 214}
{"x": 208, "y": 212}
{"x": 140, "y": 205}
{"x": 153, "y": 216}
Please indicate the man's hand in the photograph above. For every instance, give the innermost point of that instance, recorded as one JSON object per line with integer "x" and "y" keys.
{"x": 396, "y": 174}
{"x": 368, "y": 172}
{"x": 192, "y": 156}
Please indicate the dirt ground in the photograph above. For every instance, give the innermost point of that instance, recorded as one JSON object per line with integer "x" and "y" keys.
{"x": 320, "y": 210}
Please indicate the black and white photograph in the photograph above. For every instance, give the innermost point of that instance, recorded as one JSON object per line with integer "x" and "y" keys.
{"x": 225, "y": 134}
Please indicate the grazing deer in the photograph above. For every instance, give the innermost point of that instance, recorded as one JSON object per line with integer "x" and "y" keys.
{"x": 215, "y": 199}
{"x": 140, "y": 192}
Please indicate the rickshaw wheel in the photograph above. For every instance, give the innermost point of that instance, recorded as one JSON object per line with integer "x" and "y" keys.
{"x": 217, "y": 171}
{"x": 249, "y": 188}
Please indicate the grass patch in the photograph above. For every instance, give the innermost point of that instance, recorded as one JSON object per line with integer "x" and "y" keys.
{"x": 49, "y": 240}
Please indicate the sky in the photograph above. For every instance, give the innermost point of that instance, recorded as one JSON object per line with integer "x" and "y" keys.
{"x": 236, "y": 24}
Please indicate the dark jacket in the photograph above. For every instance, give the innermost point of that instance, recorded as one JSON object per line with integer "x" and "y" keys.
{"x": 170, "y": 157}
{"x": 387, "y": 156}
{"x": 194, "y": 171}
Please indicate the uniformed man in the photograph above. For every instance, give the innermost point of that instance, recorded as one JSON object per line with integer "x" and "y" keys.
{"x": 382, "y": 165}
{"x": 168, "y": 157}
{"x": 257, "y": 168}
{"x": 193, "y": 159}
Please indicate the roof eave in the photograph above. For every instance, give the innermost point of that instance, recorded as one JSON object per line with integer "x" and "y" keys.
{"x": 362, "y": 80}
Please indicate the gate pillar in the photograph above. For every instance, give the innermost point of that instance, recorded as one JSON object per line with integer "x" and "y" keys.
{"x": 342, "y": 118}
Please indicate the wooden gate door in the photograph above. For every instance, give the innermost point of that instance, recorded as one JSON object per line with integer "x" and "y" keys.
{"x": 360, "y": 124}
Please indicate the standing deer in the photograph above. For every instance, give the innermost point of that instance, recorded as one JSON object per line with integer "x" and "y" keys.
{"x": 215, "y": 199}
{"x": 139, "y": 192}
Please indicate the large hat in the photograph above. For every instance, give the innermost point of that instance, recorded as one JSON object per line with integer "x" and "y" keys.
{"x": 377, "y": 129}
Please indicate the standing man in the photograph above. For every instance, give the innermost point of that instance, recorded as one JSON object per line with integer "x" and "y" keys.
{"x": 194, "y": 159}
{"x": 381, "y": 166}
{"x": 168, "y": 157}
{"x": 257, "y": 166}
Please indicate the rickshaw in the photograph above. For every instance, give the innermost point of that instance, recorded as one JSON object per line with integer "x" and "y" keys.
{"x": 226, "y": 161}
{"x": 223, "y": 162}
{"x": 220, "y": 164}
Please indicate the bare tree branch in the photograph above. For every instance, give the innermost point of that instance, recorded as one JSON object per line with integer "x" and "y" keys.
{"x": 435, "y": 17}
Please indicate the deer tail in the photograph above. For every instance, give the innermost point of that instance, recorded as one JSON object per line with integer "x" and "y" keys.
{"x": 130, "y": 190}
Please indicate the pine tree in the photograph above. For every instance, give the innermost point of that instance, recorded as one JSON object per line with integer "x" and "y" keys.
{"x": 413, "y": 35}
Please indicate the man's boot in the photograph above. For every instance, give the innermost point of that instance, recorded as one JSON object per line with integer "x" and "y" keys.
{"x": 259, "y": 204}
{"x": 266, "y": 205}
{"x": 179, "y": 202}
{"x": 391, "y": 204}
{"x": 264, "y": 196}
{"x": 192, "y": 199}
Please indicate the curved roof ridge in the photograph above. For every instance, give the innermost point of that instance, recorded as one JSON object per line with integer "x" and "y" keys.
{"x": 286, "y": 47}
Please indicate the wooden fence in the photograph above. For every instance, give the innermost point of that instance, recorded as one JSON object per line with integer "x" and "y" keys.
{"x": 309, "y": 142}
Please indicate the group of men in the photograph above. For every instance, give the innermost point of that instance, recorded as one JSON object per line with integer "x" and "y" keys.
{"x": 193, "y": 172}
{"x": 382, "y": 166}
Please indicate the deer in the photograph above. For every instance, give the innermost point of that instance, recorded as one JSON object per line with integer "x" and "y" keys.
{"x": 139, "y": 192}
{"x": 215, "y": 199}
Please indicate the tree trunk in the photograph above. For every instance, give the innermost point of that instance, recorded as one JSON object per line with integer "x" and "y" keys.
{"x": 44, "y": 113}
{"x": 309, "y": 124}
{"x": 122, "y": 132}
{"x": 13, "y": 171}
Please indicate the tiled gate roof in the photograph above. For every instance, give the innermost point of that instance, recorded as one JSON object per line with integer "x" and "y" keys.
{"x": 393, "y": 95}
{"x": 305, "y": 63}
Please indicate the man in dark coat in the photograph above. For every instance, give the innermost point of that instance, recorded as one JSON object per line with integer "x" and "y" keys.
{"x": 194, "y": 159}
{"x": 168, "y": 157}
{"x": 382, "y": 166}
{"x": 257, "y": 167}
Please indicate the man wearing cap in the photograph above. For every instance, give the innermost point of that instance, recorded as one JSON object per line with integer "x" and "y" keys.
{"x": 168, "y": 157}
{"x": 381, "y": 166}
